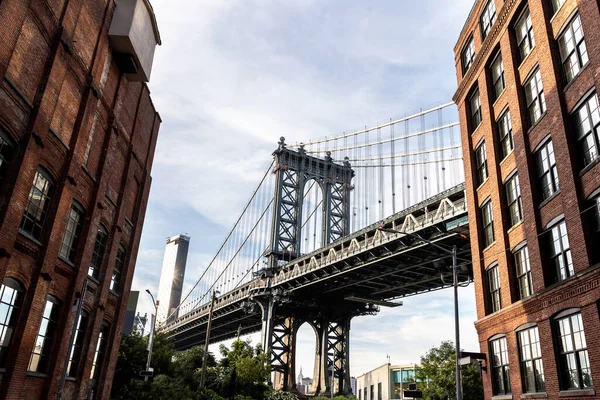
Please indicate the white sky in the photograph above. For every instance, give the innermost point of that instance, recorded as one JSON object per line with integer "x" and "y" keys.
{"x": 233, "y": 76}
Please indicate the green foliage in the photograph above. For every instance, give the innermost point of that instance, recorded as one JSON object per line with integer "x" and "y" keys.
{"x": 438, "y": 368}
{"x": 241, "y": 374}
{"x": 335, "y": 398}
{"x": 276, "y": 395}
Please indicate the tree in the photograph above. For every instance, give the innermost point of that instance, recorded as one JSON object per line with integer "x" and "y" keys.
{"x": 438, "y": 369}
{"x": 243, "y": 370}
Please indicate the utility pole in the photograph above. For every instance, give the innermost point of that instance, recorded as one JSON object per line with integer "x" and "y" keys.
{"x": 151, "y": 337}
{"x": 78, "y": 306}
{"x": 459, "y": 392}
{"x": 208, "y": 325}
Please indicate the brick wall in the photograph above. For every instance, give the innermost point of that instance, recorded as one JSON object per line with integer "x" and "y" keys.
{"x": 583, "y": 290}
{"x": 66, "y": 107}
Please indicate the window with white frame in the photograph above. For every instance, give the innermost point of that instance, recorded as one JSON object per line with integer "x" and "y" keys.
{"x": 36, "y": 210}
{"x": 500, "y": 366}
{"x": 45, "y": 335}
{"x": 468, "y": 55}
{"x": 497, "y": 69}
{"x": 506, "y": 135}
{"x": 586, "y": 119}
{"x": 487, "y": 218}
{"x": 535, "y": 98}
{"x": 487, "y": 19}
{"x": 557, "y": 4}
{"x": 530, "y": 358}
{"x": 493, "y": 278}
{"x": 481, "y": 163}
{"x": 574, "y": 364}
{"x": 523, "y": 272}
{"x": 475, "y": 109}
{"x": 11, "y": 298}
{"x": 547, "y": 172}
{"x": 513, "y": 197}
{"x": 524, "y": 34}
{"x": 573, "y": 51}
{"x": 560, "y": 252}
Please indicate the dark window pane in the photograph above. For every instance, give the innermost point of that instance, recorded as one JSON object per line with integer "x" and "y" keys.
{"x": 43, "y": 343}
{"x": 98, "y": 253}
{"x": 37, "y": 205}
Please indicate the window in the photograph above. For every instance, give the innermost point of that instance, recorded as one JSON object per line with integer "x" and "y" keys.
{"x": 37, "y": 205}
{"x": 379, "y": 394}
{"x": 506, "y": 136}
{"x": 98, "y": 253}
{"x": 68, "y": 247}
{"x": 592, "y": 222}
{"x": 500, "y": 367}
{"x": 99, "y": 352}
{"x": 488, "y": 17}
{"x": 11, "y": 297}
{"x": 557, "y": 4}
{"x": 365, "y": 393}
{"x": 524, "y": 33}
{"x": 6, "y": 150}
{"x": 523, "y": 269}
{"x": 488, "y": 224}
{"x": 494, "y": 288}
{"x": 475, "y": 109}
{"x": 481, "y": 163}
{"x": 573, "y": 52}
{"x": 530, "y": 358}
{"x": 43, "y": 343}
{"x": 560, "y": 253}
{"x": 372, "y": 392}
{"x": 497, "y": 68}
{"x": 468, "y": 55}
{"x": 547, "y": 172}
{"x": 586, "y": 119}
{"x": 118, "y": 269}
{"x": 75, "y": 350}
{"x": 534, "y": 95}
{"x": 574, "y": 365}
{"x": 513, "y": 196}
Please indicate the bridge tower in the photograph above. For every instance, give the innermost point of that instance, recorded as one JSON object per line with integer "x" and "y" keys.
{"x": 293, "y": 169}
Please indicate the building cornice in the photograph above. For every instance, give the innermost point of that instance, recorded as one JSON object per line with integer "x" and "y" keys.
{"x": 486, "y": 48}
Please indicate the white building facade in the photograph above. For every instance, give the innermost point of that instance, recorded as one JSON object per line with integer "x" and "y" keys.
{"x": 386, "y": 382}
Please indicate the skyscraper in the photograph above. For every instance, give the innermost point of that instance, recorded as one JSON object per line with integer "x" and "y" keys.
{"x": 171, "y": 277}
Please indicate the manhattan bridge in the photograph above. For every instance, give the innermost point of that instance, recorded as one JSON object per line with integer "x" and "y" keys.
{"x": 321, "y": 241}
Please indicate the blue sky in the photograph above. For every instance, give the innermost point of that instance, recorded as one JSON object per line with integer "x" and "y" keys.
{"x": 233, "y": 76}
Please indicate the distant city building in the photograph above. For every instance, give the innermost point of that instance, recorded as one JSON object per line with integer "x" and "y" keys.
{"x": 132, "y": 302}
{"x": 171, "y": 277}
{"x": 303, "y": 384}
{"x": 353, "y": 383}
{"x": 386, "y": 382}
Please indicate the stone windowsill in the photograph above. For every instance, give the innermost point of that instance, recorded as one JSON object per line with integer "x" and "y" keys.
{"x": 538, "y": 395}
{"x": 502, "y": 397}
{"x": 577, "y": 393}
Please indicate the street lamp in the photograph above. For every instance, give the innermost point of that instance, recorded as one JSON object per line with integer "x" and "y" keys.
{"x": 459, "y": 393}
{"x": 207, "y": 340}
{"x": 151, "y": 338}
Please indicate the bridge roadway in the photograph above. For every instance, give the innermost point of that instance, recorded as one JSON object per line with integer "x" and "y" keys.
{"x": 358, "y": 273}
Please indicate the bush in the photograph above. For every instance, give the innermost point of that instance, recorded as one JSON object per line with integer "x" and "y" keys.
{"x": 276, "y": 395}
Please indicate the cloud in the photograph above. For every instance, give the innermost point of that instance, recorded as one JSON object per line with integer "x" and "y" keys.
{"x": 233, "y": 76}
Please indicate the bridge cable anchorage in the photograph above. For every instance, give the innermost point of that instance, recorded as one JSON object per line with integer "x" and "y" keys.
{"x": 392, "y": 122}
{"x": 266, "y": 174}
{"x": 398, "y": 138}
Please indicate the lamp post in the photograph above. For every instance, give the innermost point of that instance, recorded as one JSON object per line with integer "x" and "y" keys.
{"x": 207, "y": 340}
{"x": 151, "y": 338}
{"x": 459, "y": 393}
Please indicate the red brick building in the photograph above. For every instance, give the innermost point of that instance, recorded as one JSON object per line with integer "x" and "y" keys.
{"x": 528, "y": 77}
{"x": 77, "y": 136}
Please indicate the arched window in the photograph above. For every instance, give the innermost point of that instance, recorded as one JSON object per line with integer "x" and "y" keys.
{"x": 6, "y": 152}
{"x": 40, "y": 194}
{"x": 530, "y": 359}
{"x": 43, "y": 344}
{"x": 98, "y": 253}
{"x": 573, "y": 360}
{"x": 100, "y": 351}
{"x": 68, "y": 247}
{"x": 118, "y": 269}
{"x": 11, "y": 297}
{"x": 500, "y": 367}
{"x": 77, "y": 345}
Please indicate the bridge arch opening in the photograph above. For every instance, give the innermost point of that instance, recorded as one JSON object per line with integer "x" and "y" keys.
{"x": 311, "y": 231}
{"x": 306, "y": 350}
